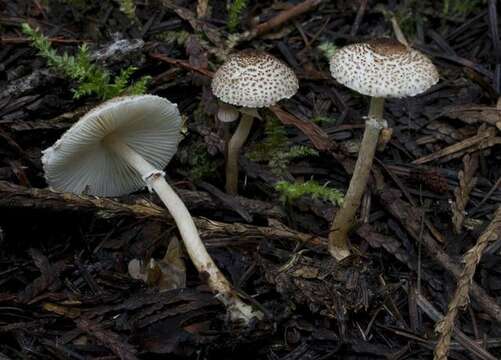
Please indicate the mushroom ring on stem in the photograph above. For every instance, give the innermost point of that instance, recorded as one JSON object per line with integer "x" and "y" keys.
{"x": 250, "y": 80}
{"x": 121, "y": 146}
{"x": 379, "y": 68}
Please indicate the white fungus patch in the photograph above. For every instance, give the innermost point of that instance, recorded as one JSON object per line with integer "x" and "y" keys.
{"x": 254, "y": 79}
{"x": 383, "y": 68}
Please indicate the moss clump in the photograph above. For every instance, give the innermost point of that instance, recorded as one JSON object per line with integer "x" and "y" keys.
{"x": 91, "y": 79}
{"x": 289, "y": 192}
{"x": 236, "y": 8}
{"x": 276, "y": 148}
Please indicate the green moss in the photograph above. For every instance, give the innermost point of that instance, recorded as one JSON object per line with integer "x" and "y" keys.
{"x": 276, "y": 149}
{"x": 289, "y": 192}
{"x": 280, "y": 160}
{"x": 328, "y": 49}
{"x": 321, "y": 120}
{"x": 461, "y": 8}
{"x": 275, "y": 140}
{"x": 236, "y": 8}
{"x": 128, "y": 7}
{"x": 178, "y": 37}
{"x": 91, "y": 79}
{"x": 202, "y": 166}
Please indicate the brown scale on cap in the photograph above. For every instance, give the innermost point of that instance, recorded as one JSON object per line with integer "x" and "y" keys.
{"x": 383, "y": 68}
{"x": 254, "y": 79}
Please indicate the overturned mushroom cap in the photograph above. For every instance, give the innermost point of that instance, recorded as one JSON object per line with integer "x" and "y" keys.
{"x": 81, "y": 162}
{"x": 254, "y": 79}
{"x": 383, "y": 68}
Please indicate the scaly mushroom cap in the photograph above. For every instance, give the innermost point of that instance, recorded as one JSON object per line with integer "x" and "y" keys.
{"x": 254, "y": 79}
{"x": 383, "y": 68}
{"x": 80, "y": 161}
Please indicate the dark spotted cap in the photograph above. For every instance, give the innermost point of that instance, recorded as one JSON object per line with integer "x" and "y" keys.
{"x": 383, "y": 68}
{"x": 254, "y": 79}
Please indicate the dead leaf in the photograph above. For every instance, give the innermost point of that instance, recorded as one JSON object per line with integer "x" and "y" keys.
{"x": 49, "y": 276}
{"x": 172, "y": 267}
{"x": 165, "y": 274}
{"x": 202, "y": 8}
{"x": 62, "y": 310}
{"x": 473, "y": 114}
{"x": 484, "y": 139}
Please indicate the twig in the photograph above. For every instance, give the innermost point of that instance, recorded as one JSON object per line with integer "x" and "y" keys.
{"x": 14, "y": 146}
{"x": 409, "y": 217}
{"x": 56, "y": 40}
{"x": 270, "y": 25}
{"x": 15, "y": 196}
{"x": 467, "y": 182}
{"x": 284, "y": 16}
{"x": 182, "y": 63}
{"x": 460, "y": 299}
{"x": 398, "y": 31}
{"x": 489, "y": 193}
{"x": 228, "y": 200}
{"x": 470, "y": 144}
{"x": 467, "y": 343}
{"x": 493, "y": 28}
{"x": 315, "y": 133}
{"x": 358, "y": 19}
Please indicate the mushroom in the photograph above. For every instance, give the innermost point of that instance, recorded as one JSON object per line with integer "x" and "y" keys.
{"x": 121, "y": 146}
{"x": 379, "y": 68}
{"x": 251, "y": 80}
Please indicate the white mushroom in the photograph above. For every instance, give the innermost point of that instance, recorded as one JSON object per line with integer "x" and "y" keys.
{"x": 253, "y": 80}
{"x": 383, "y": 68}
{"x": 379, "y": 68}
{"x": 121, "y": 146}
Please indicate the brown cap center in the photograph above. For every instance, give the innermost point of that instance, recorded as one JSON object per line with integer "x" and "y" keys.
{"x": 387, "y": 47}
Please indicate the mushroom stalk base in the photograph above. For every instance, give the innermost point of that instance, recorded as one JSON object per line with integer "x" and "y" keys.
{"x": 235, "y": 145}
{"x": 345, "y": 216}
{"x": 154, "y": 178}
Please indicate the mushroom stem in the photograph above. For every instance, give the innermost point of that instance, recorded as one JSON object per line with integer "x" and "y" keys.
{"x": 234, "y": 147}
{"x": 376, "y": 108}
{"x": 154, "y": 178}
{"x": 345, "y": 216}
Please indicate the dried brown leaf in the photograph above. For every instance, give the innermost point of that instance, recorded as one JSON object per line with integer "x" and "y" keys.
{"x": 485, "y": 138}
{"x": 198, "y": 25}
{"x": 62, "y": 310}
{"x": 473, "y": 114}
{"x": 439, "y": 130}
{"x": 49, "y": 276}
{"x": 164, "y": 274}
{"x": 202, "y": 8}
